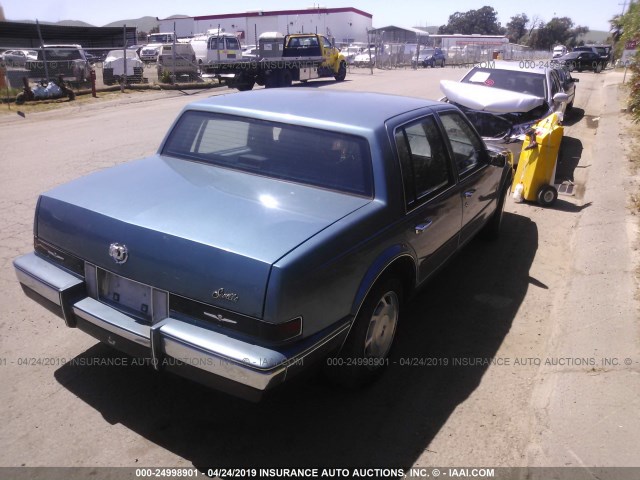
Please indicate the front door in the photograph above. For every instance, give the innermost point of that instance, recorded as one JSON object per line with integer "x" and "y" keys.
{"x": 478, "y": 181}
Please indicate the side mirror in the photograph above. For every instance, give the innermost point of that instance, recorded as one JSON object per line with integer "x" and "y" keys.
{"x": 561, "y": 97}
{"x": 575, "y": 80}
{"x": 500, "y": 158}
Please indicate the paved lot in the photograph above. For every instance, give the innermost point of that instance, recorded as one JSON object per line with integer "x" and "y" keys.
{"x": 552, "y": 302}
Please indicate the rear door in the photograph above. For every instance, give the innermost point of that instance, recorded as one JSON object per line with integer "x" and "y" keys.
{"x": 478, "y": 181}
{"x": 433, "y": 203}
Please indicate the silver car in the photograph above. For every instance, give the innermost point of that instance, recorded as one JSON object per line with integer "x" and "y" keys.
{"x": 504, "y": 99}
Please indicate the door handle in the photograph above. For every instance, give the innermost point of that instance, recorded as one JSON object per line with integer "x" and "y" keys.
{"x": 469, "y": 193}
{"x": 421, "y": 227}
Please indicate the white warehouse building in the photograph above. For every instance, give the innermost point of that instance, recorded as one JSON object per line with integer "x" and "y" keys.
{"x": 344, "y": 25}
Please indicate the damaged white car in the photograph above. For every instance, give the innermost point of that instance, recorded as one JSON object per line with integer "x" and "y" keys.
{"x": 503, "y": 100}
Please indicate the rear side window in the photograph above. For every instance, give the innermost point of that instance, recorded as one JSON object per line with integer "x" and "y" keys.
{"x": 465, "y": 144}
{"x": 311, "y": 156}
{"x": 423, "y": 160}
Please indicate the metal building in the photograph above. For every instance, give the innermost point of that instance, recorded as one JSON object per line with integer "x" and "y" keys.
{"x": 344, "y": 25}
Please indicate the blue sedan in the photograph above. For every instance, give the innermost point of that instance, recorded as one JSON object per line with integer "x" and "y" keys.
{"x": 271, "y": 230}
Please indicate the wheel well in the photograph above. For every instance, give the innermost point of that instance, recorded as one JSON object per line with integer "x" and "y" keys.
{"x": 404, "y": 270}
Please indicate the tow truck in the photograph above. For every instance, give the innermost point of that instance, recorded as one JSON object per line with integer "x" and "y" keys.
{"x": 282, "y": 60}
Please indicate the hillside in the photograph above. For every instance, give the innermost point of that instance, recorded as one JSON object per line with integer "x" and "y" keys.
{"x": 144, "y": 24}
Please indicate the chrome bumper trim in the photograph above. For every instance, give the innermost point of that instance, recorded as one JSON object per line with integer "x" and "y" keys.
{"x": 251, "y": 365}
{"x": 112, "y": 320}
{"x": 49, "y": 281}
{"x": 209, "y": 351}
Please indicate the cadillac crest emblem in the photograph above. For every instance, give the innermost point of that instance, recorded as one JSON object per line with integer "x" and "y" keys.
{"x": 119, "y": 253}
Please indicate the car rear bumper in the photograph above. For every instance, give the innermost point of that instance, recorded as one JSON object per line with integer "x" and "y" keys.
{"x": 210, "y": 357}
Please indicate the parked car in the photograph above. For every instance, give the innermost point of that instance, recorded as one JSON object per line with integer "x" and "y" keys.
{"x": 251, "y": 53}
{"x": 181, "y": 62}
{"x": 568, "y": 84}
{"x": 113, "y": 69}
{"x": 350, "y": 53}
{"x": 269, "y": 232}
{"x": 17, "y": 58}
{"x": 581, "y": 60}
{"x": 503, "y": 101}
{"x": 365, "y": 58}
{"x": 430, "y": 57}
{"x": 66, "y": 61}
{"x": 149, "y": 53}
{"x": 91, "y": 58}
{"x": 603, "y": 51}
{"x": 559, "y": 50}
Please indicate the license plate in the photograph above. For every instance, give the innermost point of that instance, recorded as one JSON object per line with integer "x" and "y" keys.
{"x": 124, "y": 294}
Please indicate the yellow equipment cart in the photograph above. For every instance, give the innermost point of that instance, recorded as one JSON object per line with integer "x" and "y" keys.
{"x": 536, "y": 171}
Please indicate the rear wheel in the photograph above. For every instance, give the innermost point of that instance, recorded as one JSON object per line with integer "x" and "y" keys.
{"x": 598, "y": 68}
{"x": 366, "y": 350}
{"x": 547, "y": 195}
{"x": 286, "y": 79}
{"x": 442, "y": 63}
{"x": 243, "y": 87}
{"x": 272, "y": 79}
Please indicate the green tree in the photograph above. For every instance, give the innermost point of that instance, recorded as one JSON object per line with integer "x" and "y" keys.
{"x": 517, "y": 28}
{"x": 483, "y": 21}
{"x": 630, "y": 27}
{"x": 558, "y": 31}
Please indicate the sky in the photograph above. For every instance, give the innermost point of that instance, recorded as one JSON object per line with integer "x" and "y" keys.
{"x": 405, "y": 13}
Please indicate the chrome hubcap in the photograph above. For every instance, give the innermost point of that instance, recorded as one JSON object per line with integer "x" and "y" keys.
{"x": 382, "y": 326}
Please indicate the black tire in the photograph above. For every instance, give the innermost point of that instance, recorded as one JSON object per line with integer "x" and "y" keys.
{"x": 243, "y": 87}
{"x": 598, "y": 68}
{"x": 442, "y": 63}
{"x": 491, "y": 230}
{"x": 273, "y": 79}
{"x": 571, "y": 67}
{"x": 570, "y": 106}
{"x": 365, "y": 352}
{"x": 342, "y": 72}
{"x": 547, "y": 195}
{"x": 286, "y": 78}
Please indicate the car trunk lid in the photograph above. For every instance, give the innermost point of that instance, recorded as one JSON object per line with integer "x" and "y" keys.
{"x": 189, "y": 228}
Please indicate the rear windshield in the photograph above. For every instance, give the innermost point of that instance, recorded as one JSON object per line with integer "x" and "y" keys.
{"x": 61, "y": 54}
{"x": 310, "y": 156}
{"x": 160, "y": 38}
{"x": 513, "y": 80}
{"x": 222, "y": 43}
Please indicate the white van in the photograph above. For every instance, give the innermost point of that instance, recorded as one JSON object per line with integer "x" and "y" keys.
{"x": 216, "y": 46}
{"x": 559, "y": 50}
{"x": 185, "y": 60}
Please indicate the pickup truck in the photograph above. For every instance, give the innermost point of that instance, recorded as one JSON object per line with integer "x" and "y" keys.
{"x": 68, "y": 61}
{"x": 269, "y": 232}
{"x": 304, "y": 57}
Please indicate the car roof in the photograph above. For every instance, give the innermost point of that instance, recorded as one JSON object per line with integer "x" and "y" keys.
{"x": 317, "y": 108}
